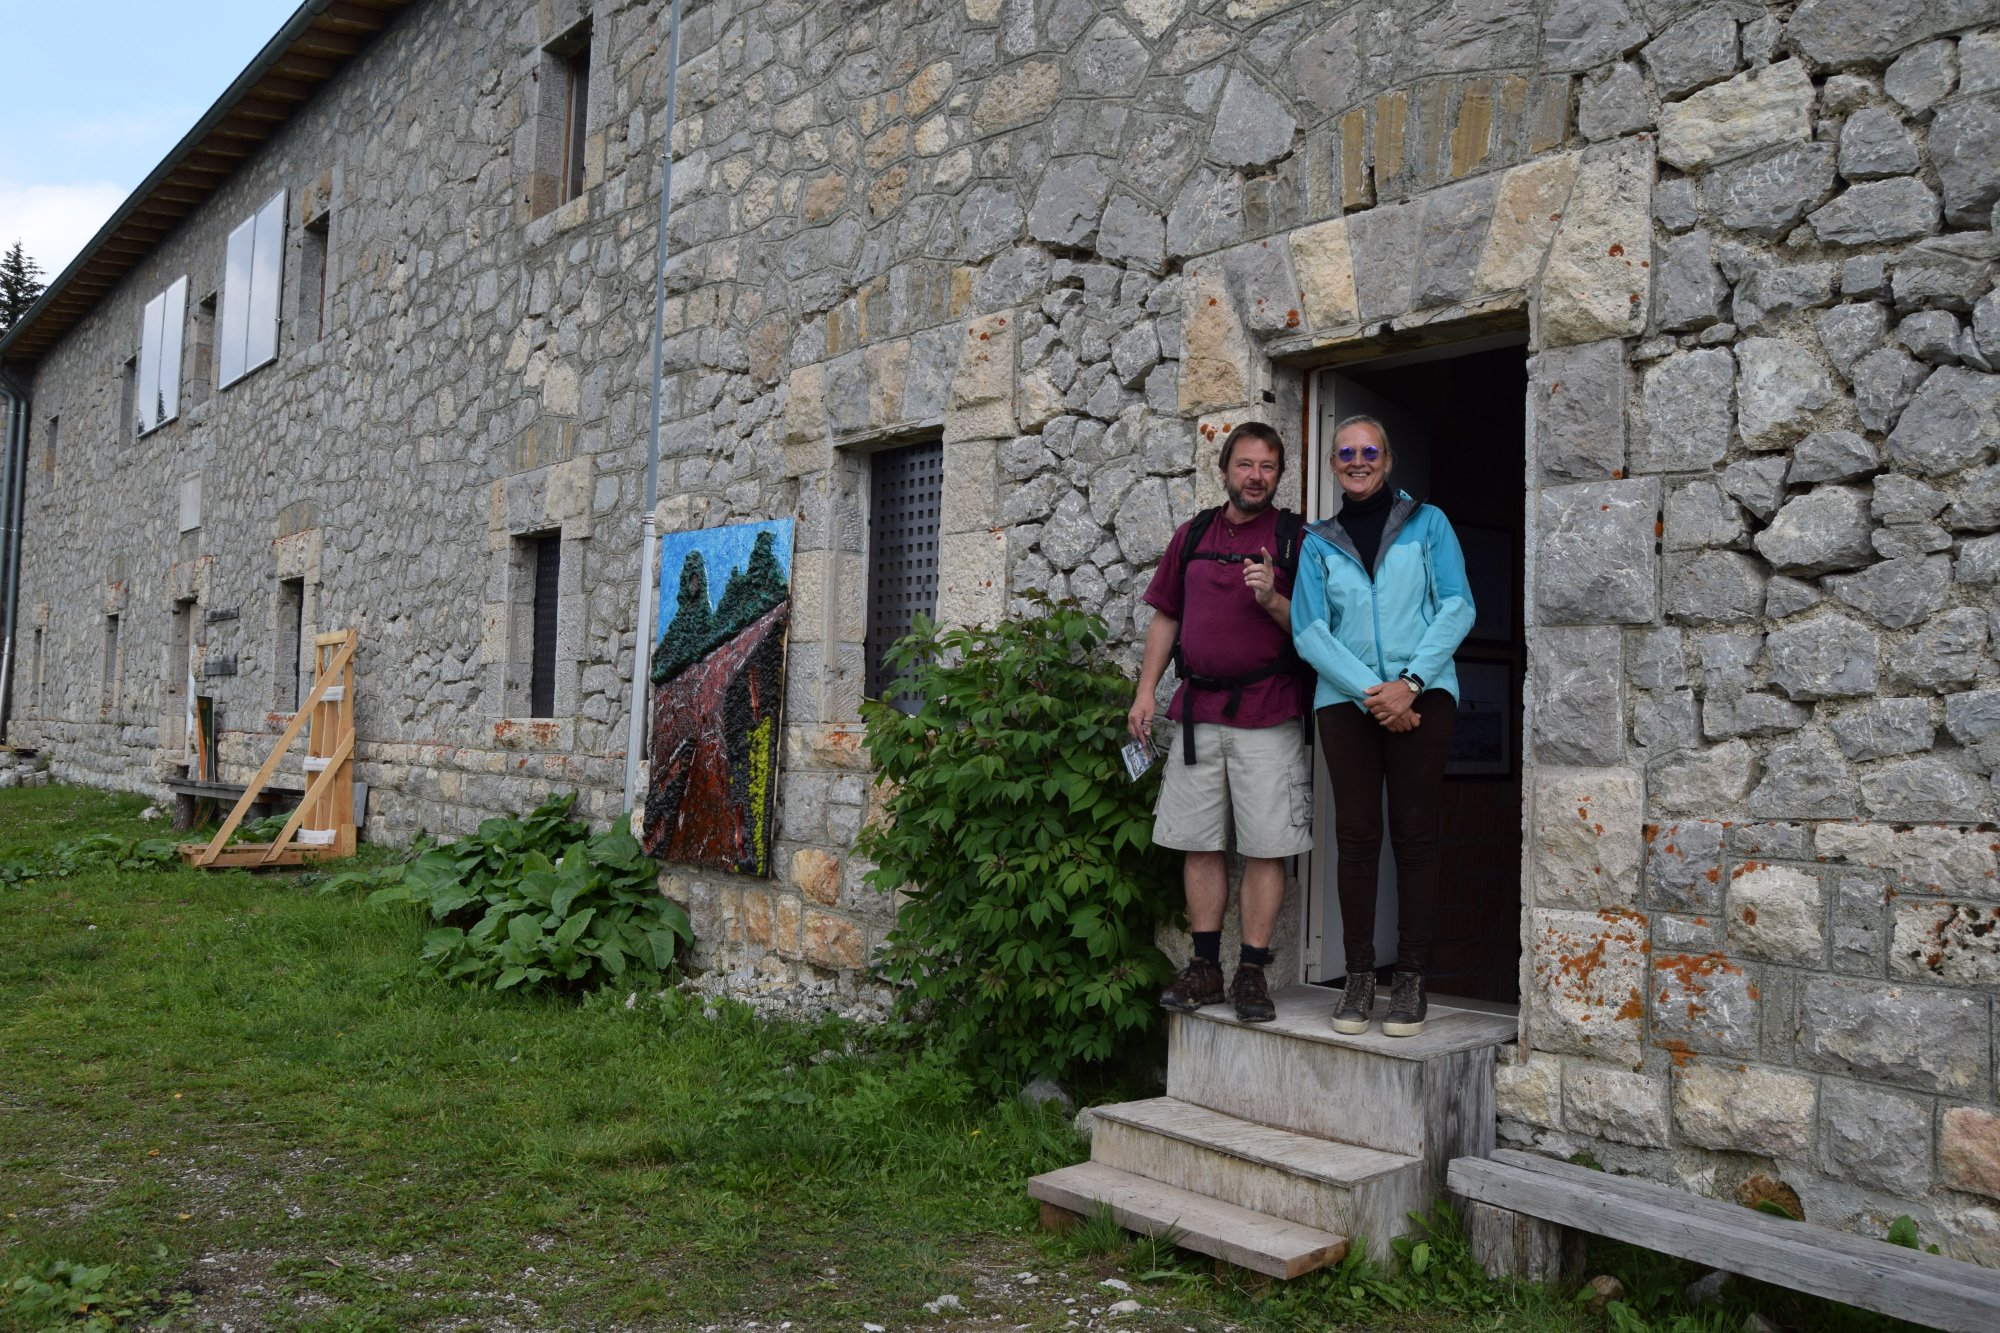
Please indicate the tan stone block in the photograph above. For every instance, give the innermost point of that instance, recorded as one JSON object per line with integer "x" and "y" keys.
{"x": 887, "y": 146}
{"x": 1589, "y": 837}
{"x": 1586, "y": 978}
{"x": 1956, "y": 943}
{"x": 1215, "y": 360}
{"x": 1154, "y": 16}
{"x": 1617, "y": 1104}
{"x": 824, "y": 197}
{"x": 969, "y": 500}
{"x": 1028, "y": 93}
{"x": 817, "y": 874}
{"x": 1324, "y": 265}
{"x": 981, "y": 402}
{"x": 1969, "y": 1151}
{"x": 930, "y": 84}
{"x": 1039, "y": 401}
{"x": 833, "y": 941}
{"x": 805, "y": 405}
{"x": 1549, "y": 126}
{"x": 1525, "y": 216}
{"x": 888, "y": 366}
{"x": 1595, "y": 284}
{"x": 1356, "y": 188}
{"x": 1432, "y": 105}
{"x": 786, "y": 914}
{"x": 1744, "y": 1108}
{"x": 933, "y": 137}
{"x": 982, "y": 11}
{"x": 1472, "y": 131}
{"x": 972, "y": 578}
{"x": 1776, "y": 912}
{"x": 754, "y": 918}
{"x": 1392, "y": 111}
{"x": 885, "y": 196}
{"x": 1531, "y": 1091}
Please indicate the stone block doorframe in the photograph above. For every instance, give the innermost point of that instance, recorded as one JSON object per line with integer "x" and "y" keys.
{"x": 1456, "y": 419}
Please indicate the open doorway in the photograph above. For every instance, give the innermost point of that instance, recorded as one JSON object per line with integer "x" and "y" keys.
{"x": 1456, "y": 415}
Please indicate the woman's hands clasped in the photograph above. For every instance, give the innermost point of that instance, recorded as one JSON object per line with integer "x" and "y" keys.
{"x": 1393, "y": 704}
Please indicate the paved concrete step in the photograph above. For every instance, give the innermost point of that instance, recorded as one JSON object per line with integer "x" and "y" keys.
{"x": 1335, "y": 1187}
{"x": 1196, "y": 1222}
{"x": 1429, "y": 1096}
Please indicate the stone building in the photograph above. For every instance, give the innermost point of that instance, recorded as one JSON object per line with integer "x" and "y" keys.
{"x": 1684, "y": 312}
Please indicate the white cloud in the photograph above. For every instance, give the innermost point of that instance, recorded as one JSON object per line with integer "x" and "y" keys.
{"x": 54, "y": 222}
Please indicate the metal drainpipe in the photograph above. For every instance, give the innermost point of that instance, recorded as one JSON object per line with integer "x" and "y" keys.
{"x": 13, "y": 505}
{"x": 642, "y": 641}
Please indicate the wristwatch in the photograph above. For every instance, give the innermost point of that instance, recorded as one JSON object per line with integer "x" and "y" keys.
{"x": 1416, "y": 682}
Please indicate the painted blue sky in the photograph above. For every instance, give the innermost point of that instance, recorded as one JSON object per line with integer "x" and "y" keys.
{"x": 94, "y": 95}
{"x": 725, "y": 549}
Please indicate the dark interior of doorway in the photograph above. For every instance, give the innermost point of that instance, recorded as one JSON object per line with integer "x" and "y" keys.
{"x": 1475, "y": 407}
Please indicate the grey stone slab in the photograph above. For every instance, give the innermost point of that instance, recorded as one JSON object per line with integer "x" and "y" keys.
{"x": 1784, "y": 596}
{"x": 1696, "y": 51}
{"x": 1875, "y": 143}
{"x": 1455, "y": 222}
{"x": 1922, "y": 76}
{"x": 1779, "y": 387}
{"x": 1878, "y": 212}
{"x": 1805, "y": 778}
{"x": 1875, "y": 1137}
{"x": 1207, "y": 214}
{"x": 1950, "y": 649}
{"x": 1580, "y": 394}
{"x": 1952, "y": 422}
{"x": 1844, "y": 32}
{"x": 1658, "y": 659}
{"x": 1823, "y": 530}
{"x": 1965, "y": 148}
{"x": 1688, "y": 401}
{"x": 1579, "y": 702}
{"x": 1929, "y": 788}
{"x": 1767, "y": 294}
{"x": 1669, "y": 720}
{"x": 1895, "y": 593}
{"x": 1110, "y": 61}
{"x": 1725, "y": 715}
{"x": 1759, "y": 483}
{"x": 1901, "y": 499}
{"x": 1826, "y": 657}
{"x": 1684, "y": 867}
{"x": 1688, "y": 290}
{"x": 1945, "y": 271}
{"x": 1849, "y": 332}
{"x": 1714, "y": 588}
{"x": 1133, "y": 232}
{"x": 1677, "y": 203}
{"x": 1767, "y": 194}
{"x": 1884, "y": 728}
{"x": 1979, "y": 562}
{"x": 1614, "y": 104}
{"x": 1384, "y": 242}
{"x": 1832, "y": 455}
{"x": 1700, "y": 515}
{"x": 1977, "y": 508}
{"x": 1931, "y": 336}
{"x": 1885, "y": 380}
{"x": 1597, "y": 553}
{"x": 1069, "y": 200}
{"x": 1579, "y": 34}
{"x": 1864, "y": 277}
{"x": 1252, "y": 126}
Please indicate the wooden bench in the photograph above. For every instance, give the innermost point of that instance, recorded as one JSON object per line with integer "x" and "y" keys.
{"x": 1855, "y": 1270}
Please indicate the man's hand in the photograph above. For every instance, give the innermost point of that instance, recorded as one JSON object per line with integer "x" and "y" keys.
{"x": 1261, "y": 577}
{"x": 1140, "y": 720}
{"x": 1391, "y": 701}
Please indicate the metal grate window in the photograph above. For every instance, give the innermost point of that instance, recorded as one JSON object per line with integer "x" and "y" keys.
{"x": 905, "y": 486}
{"x": 542, "y": 669}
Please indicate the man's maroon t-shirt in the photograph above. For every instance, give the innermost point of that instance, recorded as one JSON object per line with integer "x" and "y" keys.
{"x": 1223, "y": 630}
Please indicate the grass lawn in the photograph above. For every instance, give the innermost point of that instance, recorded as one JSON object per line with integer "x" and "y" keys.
{"x": 243, "y": 1096}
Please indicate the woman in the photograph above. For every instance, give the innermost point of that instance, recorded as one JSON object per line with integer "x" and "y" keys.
{"x": 1379, "y": 606}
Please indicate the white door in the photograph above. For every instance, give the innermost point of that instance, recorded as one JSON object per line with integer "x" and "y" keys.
{"x": 1336, "y": 397}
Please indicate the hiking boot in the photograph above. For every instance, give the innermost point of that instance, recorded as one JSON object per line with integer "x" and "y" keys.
{"x": 1407, "y": 1006}
{"x": 1357, "y": 1004}
{"x": 1250, "y": 995}
{"x": 1199, "y": 983}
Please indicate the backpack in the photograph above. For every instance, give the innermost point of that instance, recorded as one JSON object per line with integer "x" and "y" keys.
{"x": 1290, "y": 528}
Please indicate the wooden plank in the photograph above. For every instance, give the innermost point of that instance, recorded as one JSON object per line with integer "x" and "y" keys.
{"x": 1507, "y": 1244}
{"x": 1196, "y": 1222}
{"x": 1297, "y": 1154}
{"x": 250, "y": 856}
{"x": 284, "y": 742}
{"x": 315, "y": 795}
{"x": 1873, "y": 1275}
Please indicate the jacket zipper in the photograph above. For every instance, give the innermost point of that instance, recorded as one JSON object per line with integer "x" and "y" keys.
{"x": 1389, "y": 532}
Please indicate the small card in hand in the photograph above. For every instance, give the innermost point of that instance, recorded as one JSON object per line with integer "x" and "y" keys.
{"x": 1138, "y": 756}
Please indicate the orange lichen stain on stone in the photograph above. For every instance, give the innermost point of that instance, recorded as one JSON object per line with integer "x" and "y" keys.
{"x": 1754, "y": 991}
{"x": 1633, "y": 1008}
{"x": 1658, "y": 527}
{"x": 1291, "y": 319}
{"x": 1599, "y": 828}
{"x": 1714, "y": 875}
{"x": 1615, "y": 250}
{"x": 1677, "y": 1050}
{"x": 1618, "y": 474}
{"x": 1745, "y": 869}
{"x": 1749, "y": 916}
{"x": 1213, "y": 301}
{"x": 1649, "y": 832}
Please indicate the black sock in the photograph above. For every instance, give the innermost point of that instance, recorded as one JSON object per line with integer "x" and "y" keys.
{"x": 1252, "y": 956}
{"x": 1208, "y": 944}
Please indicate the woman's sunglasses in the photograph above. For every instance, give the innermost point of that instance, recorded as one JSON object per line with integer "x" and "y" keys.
{"x": 1347, "y": 453}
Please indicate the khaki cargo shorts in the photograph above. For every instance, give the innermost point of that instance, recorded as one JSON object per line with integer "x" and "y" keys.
{"x": 1258, "y": 778}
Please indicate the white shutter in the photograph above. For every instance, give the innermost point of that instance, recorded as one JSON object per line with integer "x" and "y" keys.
{"x": 173, "y": 326}
{"x": 149, "y": 364}
{"x": 229, "y": 344}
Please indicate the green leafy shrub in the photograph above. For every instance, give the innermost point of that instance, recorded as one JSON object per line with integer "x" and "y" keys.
{"x": 535, "y": 901}
{"x": 1033, "y": 886}
{"x": 98, "y": 851}
{"x": 89, "y": 1299}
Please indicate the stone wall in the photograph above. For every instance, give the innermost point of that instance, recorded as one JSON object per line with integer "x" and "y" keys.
{"x": 1751, "y": 246}
{"x": 480, "y": 373}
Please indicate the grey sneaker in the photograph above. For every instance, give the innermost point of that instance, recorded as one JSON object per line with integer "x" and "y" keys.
{"x": 1407, "y": 1006}
{"x": 1251, "y": 995}
{"x": 1357, "y": 1004}
{"x": 1199, "y": 983}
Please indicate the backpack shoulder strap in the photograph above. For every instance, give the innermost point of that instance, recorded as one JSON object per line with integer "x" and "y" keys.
{"x": 1291, "y": 527}
{"x": 1197, "y": 529}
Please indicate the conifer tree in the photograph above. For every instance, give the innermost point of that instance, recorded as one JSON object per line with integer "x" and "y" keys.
{"x": 20, "y": 285}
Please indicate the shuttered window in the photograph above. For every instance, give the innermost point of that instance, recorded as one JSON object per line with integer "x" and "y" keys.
{"x": 253, "y": 277}
{"x": 159, "y": 389}
{"x": 542, "y": 664}
{"x": 905, "y": 488}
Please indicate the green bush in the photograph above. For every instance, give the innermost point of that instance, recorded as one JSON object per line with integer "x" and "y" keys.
{"x": 1033, "y": 886}
{"x": 97, "y": 851}
{"x": 536, "y": 901}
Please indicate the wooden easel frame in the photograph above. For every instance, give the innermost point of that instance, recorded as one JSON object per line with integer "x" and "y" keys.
{"x": 323, "y": 825}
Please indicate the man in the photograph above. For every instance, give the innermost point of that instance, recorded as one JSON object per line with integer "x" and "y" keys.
{"x": 1221, "y": 598}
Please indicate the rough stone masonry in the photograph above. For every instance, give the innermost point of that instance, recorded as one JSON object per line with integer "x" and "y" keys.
{"x": 1753, "y": 247}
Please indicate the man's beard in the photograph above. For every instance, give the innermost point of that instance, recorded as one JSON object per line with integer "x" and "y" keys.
{"x": 1244, "y": 506}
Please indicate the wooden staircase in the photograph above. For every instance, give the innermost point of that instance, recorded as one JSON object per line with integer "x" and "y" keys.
{"x": 1280, "y": 1143}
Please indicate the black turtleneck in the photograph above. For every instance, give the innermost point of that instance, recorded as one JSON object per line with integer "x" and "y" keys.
{"x": 1363, "y": 520}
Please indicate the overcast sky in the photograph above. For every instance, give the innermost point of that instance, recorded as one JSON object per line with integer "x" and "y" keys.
{"x": 92, "y": 95}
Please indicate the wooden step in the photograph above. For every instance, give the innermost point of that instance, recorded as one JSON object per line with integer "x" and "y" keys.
{"x": 1267, "y": 1245}
{"x": 1428, "y": 1096}
{"x": 1334, "y": 1187}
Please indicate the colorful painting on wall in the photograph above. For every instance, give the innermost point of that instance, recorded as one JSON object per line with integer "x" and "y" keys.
{"x": 718, "y": 674}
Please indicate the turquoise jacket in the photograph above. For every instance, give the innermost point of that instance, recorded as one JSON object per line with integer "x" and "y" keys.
{"x": 1358, "y": 628}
